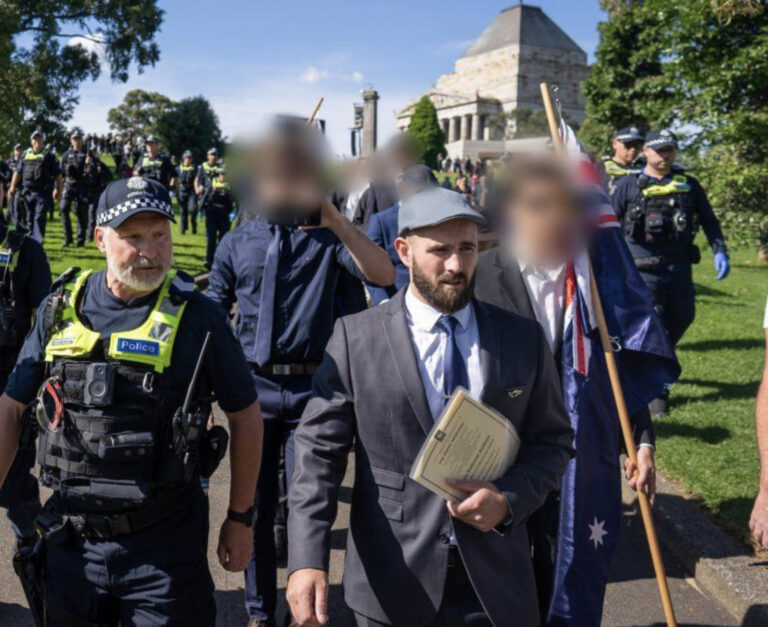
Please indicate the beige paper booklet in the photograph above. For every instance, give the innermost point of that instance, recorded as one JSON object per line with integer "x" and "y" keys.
{"x": 469, "y": 441}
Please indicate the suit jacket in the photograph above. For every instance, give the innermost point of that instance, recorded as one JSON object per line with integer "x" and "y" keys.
{"x": 382, "y": 230}
{"x": 376, "y": 197}
{"x": 500, "y": 283}
{"x": 368, "y": 392}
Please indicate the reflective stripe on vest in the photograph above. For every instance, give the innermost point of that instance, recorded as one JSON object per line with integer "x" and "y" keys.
{"x": 615, "y": 170}
{"x": 678, "y": 184}
{"x": 151, "y": 343}
{"x": 186, "y": 168}
{"x": 31, "y": 155}
{"x": 219, "y": 184}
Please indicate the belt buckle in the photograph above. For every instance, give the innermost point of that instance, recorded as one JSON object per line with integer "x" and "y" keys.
{"x": 281, "y": 369}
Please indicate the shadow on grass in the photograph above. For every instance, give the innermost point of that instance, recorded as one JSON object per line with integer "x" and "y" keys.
{"x": 719, "y": 390}
{"x": 705, "y": 290}
{"x": 708, "y": 345}
{"x": 709, "y": 435}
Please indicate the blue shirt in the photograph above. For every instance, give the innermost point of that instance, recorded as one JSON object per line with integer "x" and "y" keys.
{"x": 225, "y": 371}
{"x": 382, "y": 230}
{"x": 309, "y": 268}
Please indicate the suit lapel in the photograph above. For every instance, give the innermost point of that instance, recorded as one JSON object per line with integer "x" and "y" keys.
{"x": 512, "y": 280}
{"x": 490, "y": 340}
{"x": 399, "y": 339}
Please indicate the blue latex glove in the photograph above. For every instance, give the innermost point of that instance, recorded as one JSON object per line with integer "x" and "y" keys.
{"x": 722, "y": 265}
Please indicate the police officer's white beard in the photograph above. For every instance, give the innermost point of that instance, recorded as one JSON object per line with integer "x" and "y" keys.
{"x": 134, "y": 275}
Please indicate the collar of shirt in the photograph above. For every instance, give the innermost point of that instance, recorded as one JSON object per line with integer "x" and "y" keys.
{"x": 424, "y": 316}
{"x": 546, "y": 291}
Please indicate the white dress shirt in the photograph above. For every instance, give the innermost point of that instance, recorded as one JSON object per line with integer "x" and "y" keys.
{"x": 430, "y": 341}
{"x": 546, "y": 291}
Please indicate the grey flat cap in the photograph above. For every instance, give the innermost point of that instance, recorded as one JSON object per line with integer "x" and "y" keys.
{"x": 432, "y": 206}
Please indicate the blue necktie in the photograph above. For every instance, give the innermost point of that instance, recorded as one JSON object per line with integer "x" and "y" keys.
{"x": 454, "y": 366}
{"x": 264, "y": 327}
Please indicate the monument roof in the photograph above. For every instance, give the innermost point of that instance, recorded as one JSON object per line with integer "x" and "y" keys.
{"x": 522, "y": 24}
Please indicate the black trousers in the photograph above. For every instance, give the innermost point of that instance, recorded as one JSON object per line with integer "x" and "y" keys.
{"x": 79, "y": 198}
{"x": 542, "y": 535}
{"x": 460, "y": 607}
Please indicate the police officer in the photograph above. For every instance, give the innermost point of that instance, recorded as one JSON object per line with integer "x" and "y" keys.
{"x": 661, "y": 209}
{"x": 13, "y": 204}
{"x": 207, "y": 173}
{"x": 220, "y": 206}
{"x": 38, "y": 174}
{"x": 187, "y": 196}
{"x": 284, "y": 279}
{"x": 96, "y": 176}
{"x": 155, "y": 165}
{"x": 25, "y": 279}
{"x": 626, "y": 149}
{"x": 75, "y": 190}
{"x": 111, "y": 359}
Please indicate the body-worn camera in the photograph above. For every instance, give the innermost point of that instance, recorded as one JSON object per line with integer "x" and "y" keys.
{"x": 99, "y": 384}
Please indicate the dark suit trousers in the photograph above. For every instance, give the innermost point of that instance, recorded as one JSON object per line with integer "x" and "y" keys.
{"x": 460, "y": 607}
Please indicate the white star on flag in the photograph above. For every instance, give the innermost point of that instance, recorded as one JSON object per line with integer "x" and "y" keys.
{"x": 597, "y": 531}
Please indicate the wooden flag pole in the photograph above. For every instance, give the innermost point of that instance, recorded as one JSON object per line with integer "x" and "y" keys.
{"x": 311, "y": 117}
{"x": 618, "y": 396}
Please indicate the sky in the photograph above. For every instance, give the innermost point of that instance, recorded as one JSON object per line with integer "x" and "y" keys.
{"x": 252, "y": 58}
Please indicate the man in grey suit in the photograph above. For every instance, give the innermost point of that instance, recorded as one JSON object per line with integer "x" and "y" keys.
{"x": 542, "y": 226}
{"x": 412, "y": 559}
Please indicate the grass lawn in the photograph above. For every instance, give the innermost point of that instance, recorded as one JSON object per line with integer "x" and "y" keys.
{"x": 708, "y": 440}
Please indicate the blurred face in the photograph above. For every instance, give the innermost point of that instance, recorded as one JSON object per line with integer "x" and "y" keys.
{"x": 545, "y": 221}
{"x": 17, "y": 153}
{"x": 152, "y": 148}
{"x": 661, "y": 159}
{"x": 139, "y": 251}
{"x": 288, "y": 179}
{"x": 442, "y": 261}
{"x": 211, "y": 158}
{"x": 76, "y": 143}
{"x": 187, "y": 160}
{"x": 626, "y": 152}
{"x": 37, "y": 143}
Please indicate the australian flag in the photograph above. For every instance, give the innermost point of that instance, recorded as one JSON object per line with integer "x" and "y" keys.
{"x": 590, "y": 506}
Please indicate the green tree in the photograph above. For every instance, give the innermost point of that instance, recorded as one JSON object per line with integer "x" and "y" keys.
{"x": 700, "y": 66}
{"x": 140, "y": 112}
{"x": 426, "y": 131}
{"x": 48, "y": 48}
{"x": 192, "y": 125}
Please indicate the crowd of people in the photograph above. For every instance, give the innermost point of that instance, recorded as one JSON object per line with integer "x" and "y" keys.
{"x": 334, "y": 322}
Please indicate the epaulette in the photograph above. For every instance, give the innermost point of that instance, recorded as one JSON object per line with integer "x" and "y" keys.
{"x": 182, "y": 286}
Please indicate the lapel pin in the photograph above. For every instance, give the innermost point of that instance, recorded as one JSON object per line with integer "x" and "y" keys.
{"x": 514, "y": 393}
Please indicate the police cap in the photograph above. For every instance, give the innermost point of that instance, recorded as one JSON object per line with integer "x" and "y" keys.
{"x": 213, "y": 151}
{"x": 661, "y": 139}
{"x": 151, "y": 140}
{"x": 629, "y": 134}
{"x": 18, "y": 146}
{"x": 127, "y": 197}
{"x": 36, "y": 133}
{"x": 76, "y": 135}
{"x": 186, "y": 153}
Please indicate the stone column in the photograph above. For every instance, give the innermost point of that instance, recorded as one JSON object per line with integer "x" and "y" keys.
{"x": 465, "y": 121}
{"x": 477, "y": 128}
{"x": 370, "y": 121}
{"x": 455, "y": 134}
{"x": 445, "y": 124}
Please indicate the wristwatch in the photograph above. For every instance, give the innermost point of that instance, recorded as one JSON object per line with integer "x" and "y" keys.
{"x": 244, "y": 518}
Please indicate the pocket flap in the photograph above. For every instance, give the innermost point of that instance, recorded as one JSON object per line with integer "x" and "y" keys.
{"x": 388, "y": 479}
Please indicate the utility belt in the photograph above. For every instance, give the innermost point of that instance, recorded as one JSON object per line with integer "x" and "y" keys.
{"x": 657, "y": 261}
{"x": 286, "y": 369}
{"x": 56, "y": 527}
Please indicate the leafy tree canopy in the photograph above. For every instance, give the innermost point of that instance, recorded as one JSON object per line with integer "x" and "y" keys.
{"x": 192, "y": 125}
{"x": 701, "y": 67}
{"x": 48, "y": 48}
{"x": 426, "y": 131}
{"x": 140, "y": 112}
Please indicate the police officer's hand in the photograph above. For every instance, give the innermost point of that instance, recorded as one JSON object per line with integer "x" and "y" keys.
{"x": 11, "y": 192}
{"x": 56, "y": 193}
{"x": 235, "y": 545}
{"x": 722, "y": 265}
{"x": 758, "y": 521}
{"x": 643, "y": 475}
{"x": 307, "y": 595}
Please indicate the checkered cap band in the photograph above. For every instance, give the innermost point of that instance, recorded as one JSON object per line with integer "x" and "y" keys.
{"x": 134, "y": 205}
{"x": 661, "y": 141}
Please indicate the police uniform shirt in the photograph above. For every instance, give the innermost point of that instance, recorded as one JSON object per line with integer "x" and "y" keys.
{"x": 166, "y": 170}
{"x": 627, "y": 192}
{"x": 73, "y": 166}
{"x": 310, "y": 265}
{"x": 225, "y": 370}
{"x": 50, "y": 167}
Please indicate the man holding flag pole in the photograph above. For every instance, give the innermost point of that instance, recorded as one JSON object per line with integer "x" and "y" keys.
{"x": 575, "y": 538}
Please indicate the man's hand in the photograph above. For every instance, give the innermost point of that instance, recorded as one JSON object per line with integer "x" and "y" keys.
{"x": 11, "y": 191}
{"x": 758, "y": 521}
{"x": 307, "y": 595}
{"x": 484, "y": 508}
{"x": 235, "y": 546}
{"x": 643, "y": 476}
{"x": 56, "y": 193}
